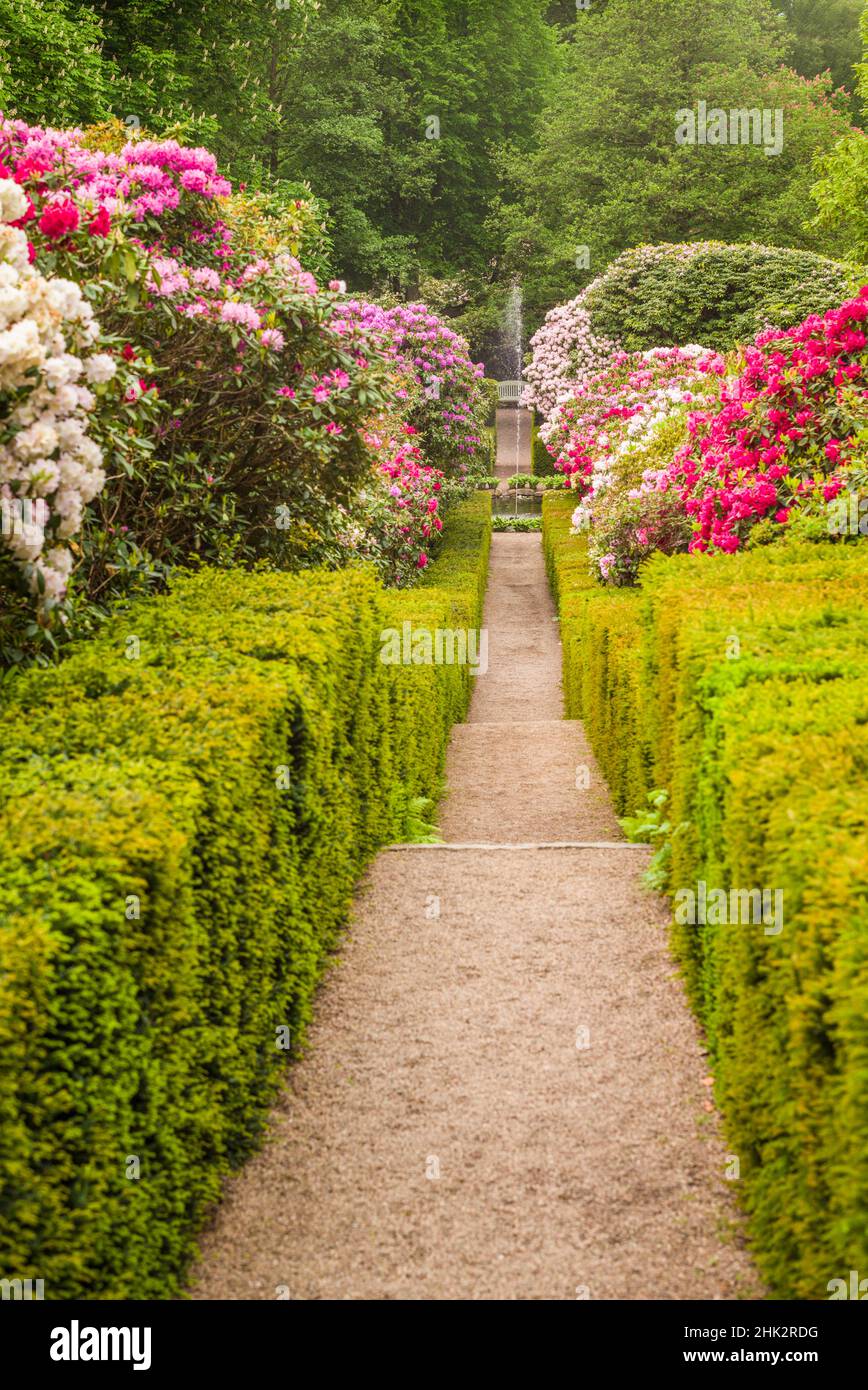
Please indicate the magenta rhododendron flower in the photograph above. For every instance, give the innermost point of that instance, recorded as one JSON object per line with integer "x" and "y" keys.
{"x": 101, "y": 224}
{"x": 59, "y": 219}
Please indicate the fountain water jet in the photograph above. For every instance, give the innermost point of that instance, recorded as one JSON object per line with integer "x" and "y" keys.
{"x": 514, "y": 333}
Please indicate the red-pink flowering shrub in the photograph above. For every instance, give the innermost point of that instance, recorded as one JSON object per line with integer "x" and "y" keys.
{"x": 697, "y": 462}
{"x": 784, "y": 431}
{"x": 397, "y": 516}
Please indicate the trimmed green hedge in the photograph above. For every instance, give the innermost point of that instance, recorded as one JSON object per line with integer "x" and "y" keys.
{"x": 542, "y": 464}
{"x": 187, "y": 803}
{"x": 741, "y": 685}
{"x": 605, "y": 692}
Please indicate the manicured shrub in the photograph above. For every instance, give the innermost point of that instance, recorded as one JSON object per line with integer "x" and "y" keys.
{"x": 710, "y": 292}
{"x": 517, "y": 524}
{"x": 673, "y": 294}
{"x": 542, "y": 460}
{"x": 180, "y": 834}
{"x": 740, "y": 684}
{"x": 491, "y": 395}
{"x": 603, "y": 689}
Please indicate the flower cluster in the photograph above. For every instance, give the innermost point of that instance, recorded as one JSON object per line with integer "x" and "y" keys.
{"x": 785, "y": 429}
{"x": 400, "y": 508}
{"x": 615, "y": 409}
{"x": 167, "y": 199}
{"x": 50, "y": 467}
{"x": 146, "y": 178}
{"x": 677, "y": 293}
{"x": 566, "y": 354}
{"x": 237, "y": 402}
{"x": 445, "y": 401}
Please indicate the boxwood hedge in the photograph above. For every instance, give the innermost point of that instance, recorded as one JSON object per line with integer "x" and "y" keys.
{"x": 185, "y": 806}
{"x": 711, "y": 293}
{"x": 740, "y": 684}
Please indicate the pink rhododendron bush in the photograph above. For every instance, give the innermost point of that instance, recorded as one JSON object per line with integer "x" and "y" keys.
{"x": 567, "y": 354}
{"x": 237, "y": 409}
{"x": 683, "y": 449}
{"x": 785, "y": 433}
{"x": 616, "y": 408}
{"x": 446, "y": 400}
{"x": 397, "y": 518}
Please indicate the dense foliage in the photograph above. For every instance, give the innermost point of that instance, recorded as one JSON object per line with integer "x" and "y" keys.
{"x": 391, "y": 112}
{"x": 462, "y": 141}
{"x": 841, "y": 193}
{"x": 681, "y": 448}
{"x": 607, "y": 172}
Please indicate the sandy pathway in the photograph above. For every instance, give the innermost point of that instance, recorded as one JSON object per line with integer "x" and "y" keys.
{"x": 513, "y": 441}
{"x": 504, "y": 1096}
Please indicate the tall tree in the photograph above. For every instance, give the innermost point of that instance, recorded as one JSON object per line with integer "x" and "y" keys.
{"x": 391, "y": 111}
{"x": 608, "y": 172}
{"x": 51, "y": 64}
{"x": 826, "y": 37}
{"x": 841, "y": 193}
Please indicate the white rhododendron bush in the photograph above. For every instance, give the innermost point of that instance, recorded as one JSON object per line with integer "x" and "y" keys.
{"x": 50, "y": 467}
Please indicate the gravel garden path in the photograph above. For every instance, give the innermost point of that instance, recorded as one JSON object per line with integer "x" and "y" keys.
{"x": 513, "y": 441}
{"x": 504, "y": 1095}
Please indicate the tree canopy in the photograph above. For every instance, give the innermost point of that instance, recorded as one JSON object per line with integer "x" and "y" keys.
{"x": 458, "y": 144}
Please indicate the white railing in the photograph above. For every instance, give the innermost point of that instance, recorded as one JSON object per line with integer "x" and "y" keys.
{"x": 510, "y": 390}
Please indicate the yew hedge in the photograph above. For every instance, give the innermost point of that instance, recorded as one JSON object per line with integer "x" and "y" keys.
{"x": 187, "y": 803}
